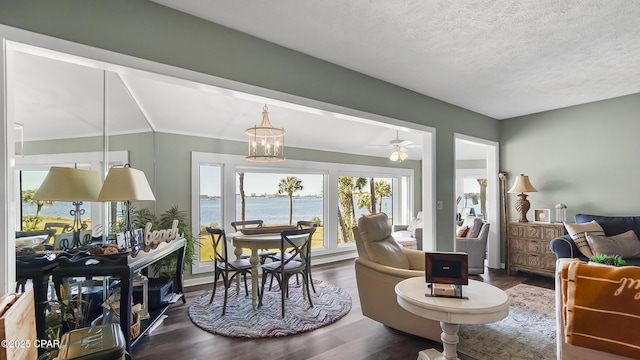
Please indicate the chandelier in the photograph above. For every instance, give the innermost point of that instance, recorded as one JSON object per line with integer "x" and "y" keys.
{"x": 266, "y": 143}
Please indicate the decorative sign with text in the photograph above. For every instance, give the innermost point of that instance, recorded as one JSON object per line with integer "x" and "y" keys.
{"x": 153, "y": 238}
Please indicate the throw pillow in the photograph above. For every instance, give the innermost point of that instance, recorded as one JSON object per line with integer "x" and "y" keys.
{"x": 468, "y": 221}
{"x": 474, "y": 230}
{"x": 415, "y": 223}
{"x": 577, "y": 233}
{"x": 626, "y": 244}
{"x": 462, "y": 231}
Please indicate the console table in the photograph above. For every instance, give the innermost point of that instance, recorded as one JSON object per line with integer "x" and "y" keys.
{"x": 124, "y": 267}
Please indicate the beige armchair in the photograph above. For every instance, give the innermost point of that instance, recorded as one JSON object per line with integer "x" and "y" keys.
{"x": 380, "y": 265}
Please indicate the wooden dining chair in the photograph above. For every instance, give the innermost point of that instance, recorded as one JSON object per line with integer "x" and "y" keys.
{"x": 285, "y": 268}
{"x": 225, "y": 267}
{"x": 302, "y": 224}
{"x": 311, "y": 225}
{"x": 263, "y": 254}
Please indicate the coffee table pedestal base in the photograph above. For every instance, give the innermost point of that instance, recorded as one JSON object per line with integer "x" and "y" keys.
{"x": 449, "y": 343}
{"x": 431, "y": 354}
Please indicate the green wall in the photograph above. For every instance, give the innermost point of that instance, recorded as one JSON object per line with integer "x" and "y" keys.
{"x": 147, "y": 30}
{"x": 585, "y": 156}
{"x": 471, "y": 164}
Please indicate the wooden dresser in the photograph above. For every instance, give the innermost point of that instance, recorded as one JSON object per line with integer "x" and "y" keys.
{"x": 528, "y": 245}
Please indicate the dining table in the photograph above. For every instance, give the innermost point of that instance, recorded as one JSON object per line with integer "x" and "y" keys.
{"x": 255, "y": 243}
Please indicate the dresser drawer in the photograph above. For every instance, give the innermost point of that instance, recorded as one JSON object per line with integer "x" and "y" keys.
{"x": 517, "y": 245}
{"x": 537, "y": 247}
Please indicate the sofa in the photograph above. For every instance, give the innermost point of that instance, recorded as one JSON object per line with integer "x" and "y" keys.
{"x": 565, "y": 247}
{"x": 564, "y": 349}
{"x": 381, "y": 264}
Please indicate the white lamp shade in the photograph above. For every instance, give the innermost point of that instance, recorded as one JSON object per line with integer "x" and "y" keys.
{"x": 125, "y": 184}
{"x": 522, "y": 185}
{"x": 69, "y": 184}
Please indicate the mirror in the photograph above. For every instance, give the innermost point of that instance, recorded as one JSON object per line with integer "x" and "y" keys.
{"x": 72, "y": 113}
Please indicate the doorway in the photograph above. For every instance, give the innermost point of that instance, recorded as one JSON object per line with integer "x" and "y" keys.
{"x": 477, "y": 188}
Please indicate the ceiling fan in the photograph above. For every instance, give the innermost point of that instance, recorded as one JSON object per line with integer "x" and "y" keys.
{"x": 399, "y": 148}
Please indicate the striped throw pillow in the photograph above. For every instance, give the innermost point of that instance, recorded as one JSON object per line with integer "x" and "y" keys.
{"x": 578, "y": 235}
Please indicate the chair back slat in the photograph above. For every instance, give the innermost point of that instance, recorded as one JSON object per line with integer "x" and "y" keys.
{"x": 219, "y": 243}
{"x": 310, "y": 225}
{"x": 303, "y": 224}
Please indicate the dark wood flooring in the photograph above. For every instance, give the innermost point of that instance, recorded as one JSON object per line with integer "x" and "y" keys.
{"x": 352, "y": 337}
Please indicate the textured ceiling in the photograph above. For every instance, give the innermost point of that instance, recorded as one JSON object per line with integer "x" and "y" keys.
{"x": 499, "y": 58}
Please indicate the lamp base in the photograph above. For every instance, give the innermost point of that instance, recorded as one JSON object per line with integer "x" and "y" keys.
{"x": 522, "y": 207}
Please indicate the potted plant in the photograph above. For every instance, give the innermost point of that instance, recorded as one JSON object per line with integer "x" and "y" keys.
{"x": 69, "y": 313}
{"x": 612, "y": 260}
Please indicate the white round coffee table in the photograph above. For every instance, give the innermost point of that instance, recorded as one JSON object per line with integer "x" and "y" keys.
{"x": 485, "y": 304}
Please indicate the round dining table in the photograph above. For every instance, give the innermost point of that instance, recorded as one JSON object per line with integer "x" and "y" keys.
{"x": 255, "y": 243}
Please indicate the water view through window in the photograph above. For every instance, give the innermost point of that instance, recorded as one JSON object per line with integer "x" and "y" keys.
{"x": 285, "y": 198}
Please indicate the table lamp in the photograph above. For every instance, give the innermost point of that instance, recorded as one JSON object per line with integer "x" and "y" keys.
{"x": 126, "y": 184}
{"x": 522, "y": 185}
{"x": 74, "y": 185}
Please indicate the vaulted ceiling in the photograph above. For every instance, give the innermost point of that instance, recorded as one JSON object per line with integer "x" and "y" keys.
{"x": 49, "y": 89}
{"x": 498, "y": 58}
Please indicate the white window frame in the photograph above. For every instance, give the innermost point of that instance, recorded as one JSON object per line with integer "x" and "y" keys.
{"x": 231, "y": 164}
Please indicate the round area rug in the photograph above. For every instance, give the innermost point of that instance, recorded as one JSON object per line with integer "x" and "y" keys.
{"x": 330, "y": 303}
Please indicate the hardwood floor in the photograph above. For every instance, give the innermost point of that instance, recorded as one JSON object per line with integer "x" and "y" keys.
{"x": 352, "y": 337}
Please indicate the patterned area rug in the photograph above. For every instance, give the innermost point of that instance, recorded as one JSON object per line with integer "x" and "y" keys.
{"x": 330, "y": 303}
{"x": 529, "y": 332}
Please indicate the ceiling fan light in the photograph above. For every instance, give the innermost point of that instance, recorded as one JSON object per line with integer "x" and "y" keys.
{"x": 403, "y": 156}
{"x": 395, "y": 156}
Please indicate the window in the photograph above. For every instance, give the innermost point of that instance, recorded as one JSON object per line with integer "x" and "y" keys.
{"x": 355, "y": 200}
{"x": 210, "y": 203}
{"x": 281, "y": 199}
{"x": 471, "y": 192}
{"x": 315, "y": 195}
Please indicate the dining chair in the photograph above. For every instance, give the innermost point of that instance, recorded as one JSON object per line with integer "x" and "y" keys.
{"x": 302, "y": 224}
{"x": 288, "y": 266}
{"x": 263, "y": 254}
{"x": 312, "y": 225}
{"x": 223, "y": 266}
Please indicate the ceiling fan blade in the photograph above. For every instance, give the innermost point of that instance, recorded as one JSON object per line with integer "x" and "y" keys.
{"x": 404, "y": 143}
